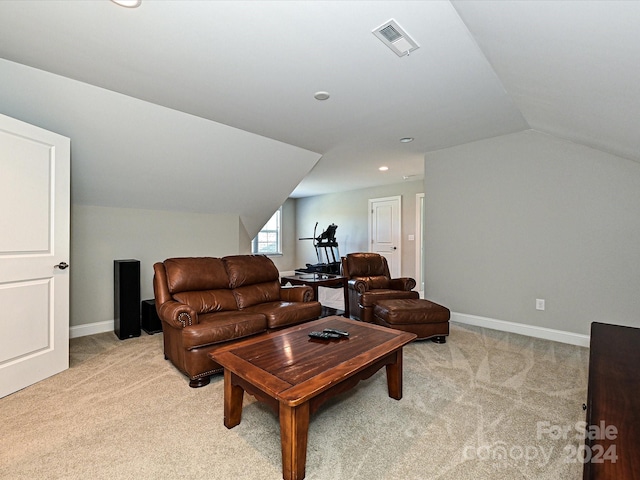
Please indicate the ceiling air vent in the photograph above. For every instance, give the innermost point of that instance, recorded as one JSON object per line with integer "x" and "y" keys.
{"x": 394, "y": 37}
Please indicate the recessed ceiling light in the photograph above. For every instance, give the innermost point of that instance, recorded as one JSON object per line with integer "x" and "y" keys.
{"x": 128, "y": 3}
{"x": 383, "y": 169}
{"x": 321, "y": 95}
{"x": 406, "y": 139}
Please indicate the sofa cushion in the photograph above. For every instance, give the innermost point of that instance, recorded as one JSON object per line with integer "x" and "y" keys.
{"x": 208, "y": 301}
{"x": 222, "y": 327}
{"x": 203, "y": 273}
{"x": 282, "y": 314}
{"x": 249, "y": 270}
{"x": 250, "y": 295}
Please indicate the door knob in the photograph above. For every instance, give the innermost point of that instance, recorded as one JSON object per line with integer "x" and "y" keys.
{"x": 61, "y": 265}
{"x": 395, "y": 248}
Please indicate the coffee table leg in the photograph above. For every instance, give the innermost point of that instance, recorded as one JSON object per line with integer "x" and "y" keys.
{"x": 233, "y": 395}
{"x": 294, "y": 429}
{"x": 394, "y": 376}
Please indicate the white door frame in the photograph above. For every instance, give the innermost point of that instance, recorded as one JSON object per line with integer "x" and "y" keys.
{"x": 419, "y": 243}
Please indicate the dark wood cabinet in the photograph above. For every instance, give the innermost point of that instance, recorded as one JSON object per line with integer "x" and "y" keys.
{"x": 612, "y": 446}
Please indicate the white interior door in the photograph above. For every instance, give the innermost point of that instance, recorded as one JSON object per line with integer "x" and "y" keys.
{"x": 34, "y": 249}
{"x": 385, "y": 231}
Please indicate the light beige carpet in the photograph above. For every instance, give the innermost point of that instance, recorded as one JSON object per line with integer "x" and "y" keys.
{"x": 486, "y": 405}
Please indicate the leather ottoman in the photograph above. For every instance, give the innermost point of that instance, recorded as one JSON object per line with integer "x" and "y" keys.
{"x": 422, "y": 317}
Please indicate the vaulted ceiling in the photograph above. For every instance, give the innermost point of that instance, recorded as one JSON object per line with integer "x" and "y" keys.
{"x": 483, "y": 69}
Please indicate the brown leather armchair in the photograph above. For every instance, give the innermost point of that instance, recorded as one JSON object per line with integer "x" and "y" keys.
{"x": 369, "y": 281}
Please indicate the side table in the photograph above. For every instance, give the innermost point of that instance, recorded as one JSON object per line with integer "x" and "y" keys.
{"x": 315, "y": 280}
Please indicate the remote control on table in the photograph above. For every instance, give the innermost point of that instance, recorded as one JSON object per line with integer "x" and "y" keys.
{"x": 324, "y": 335}
{"x": 339, "y": 332}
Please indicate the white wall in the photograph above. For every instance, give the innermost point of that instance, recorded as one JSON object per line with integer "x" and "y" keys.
{"x": 349, "y": 211}
{"x": 100, "y": 235}
{"x": 128, "y": 153}
{"x": 525, "y": 216}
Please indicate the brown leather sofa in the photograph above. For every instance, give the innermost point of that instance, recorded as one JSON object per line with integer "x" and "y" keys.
{"x": 369, "y": 281}
{"x": 207, "y": 302}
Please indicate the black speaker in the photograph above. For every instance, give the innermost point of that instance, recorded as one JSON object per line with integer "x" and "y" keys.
{"x": 126, "y": 298}
{"x": 150, "y": 319}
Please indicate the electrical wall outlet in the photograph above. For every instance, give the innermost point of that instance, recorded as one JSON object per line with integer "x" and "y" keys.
{"x": 539, "y": 303}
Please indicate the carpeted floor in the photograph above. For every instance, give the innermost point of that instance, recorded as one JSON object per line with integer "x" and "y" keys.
{"x": 486, "y": 405}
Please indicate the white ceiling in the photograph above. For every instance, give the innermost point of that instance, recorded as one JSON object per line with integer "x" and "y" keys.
{"x": 571, "y": 67}
{"x": 483, "y": 69}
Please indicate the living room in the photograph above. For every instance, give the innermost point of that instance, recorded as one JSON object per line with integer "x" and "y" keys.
{"x": 542, "y": 204}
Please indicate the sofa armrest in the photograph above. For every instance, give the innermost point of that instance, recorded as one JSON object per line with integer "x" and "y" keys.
{"x": 358, "y": 285}
{"x": 297, "y": 293}
{"x": 403, "y": 283}
{"x": 177, "y": 314}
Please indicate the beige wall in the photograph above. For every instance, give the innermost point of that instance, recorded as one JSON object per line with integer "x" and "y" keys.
{"x": 287, "y": 261}
{"x": 525, "y": 216}
{"x": 244, "y": 240}
{"x": 100, "y": 235}
{"x": 349, "y": 211}
{"x": 507, "y": 220}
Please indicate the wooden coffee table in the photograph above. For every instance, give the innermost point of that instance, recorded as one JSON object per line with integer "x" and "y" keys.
{"x": 295, "y": 374}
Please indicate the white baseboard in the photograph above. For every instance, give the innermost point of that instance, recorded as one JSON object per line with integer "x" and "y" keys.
{"x": 522, "y": 329}
{"x": 91, "y": 329}
{"x": 512, "y": 327}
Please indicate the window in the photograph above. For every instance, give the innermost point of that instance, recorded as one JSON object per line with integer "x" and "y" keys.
{"x": 268, "y": 241}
